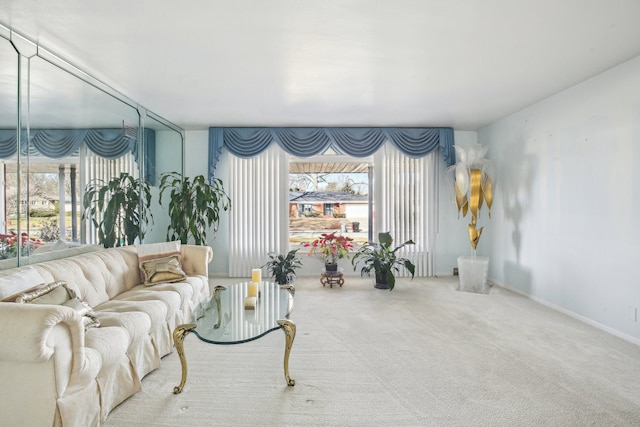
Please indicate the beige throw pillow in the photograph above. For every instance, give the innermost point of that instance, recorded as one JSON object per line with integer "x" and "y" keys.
{"x": 162, "y": 270}
{"x": 58, "y": 293}
{"x": 160, "y": 263}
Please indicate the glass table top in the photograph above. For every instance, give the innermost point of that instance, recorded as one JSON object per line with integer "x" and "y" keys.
{"x": 228, "y": 322}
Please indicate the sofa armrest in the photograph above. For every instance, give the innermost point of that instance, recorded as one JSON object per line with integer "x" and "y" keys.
{"x": 43, "y": 345}
{"x": 33, "y": 333}
{"x": 196, "y": 259}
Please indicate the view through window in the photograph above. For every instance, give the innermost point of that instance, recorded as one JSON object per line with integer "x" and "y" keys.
{"x": 40, "y": 208}
{"x": 327, "y": 196}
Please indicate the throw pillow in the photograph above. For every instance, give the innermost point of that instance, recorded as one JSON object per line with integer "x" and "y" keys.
{"x": 162, "y": 270}
{"x": 160, "y": 262}
{"x": 12, "y": 285}
{"x": 58, "y": 293}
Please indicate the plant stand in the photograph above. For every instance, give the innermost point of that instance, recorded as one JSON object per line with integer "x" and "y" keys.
{"x": 332, "y": 278}
{"x": 473, "y": 274}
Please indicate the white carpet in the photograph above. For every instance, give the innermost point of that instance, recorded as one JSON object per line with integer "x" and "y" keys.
{"x": 422, "y": 355}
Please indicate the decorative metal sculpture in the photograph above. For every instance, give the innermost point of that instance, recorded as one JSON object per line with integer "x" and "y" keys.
{"x": 472, "y": 179}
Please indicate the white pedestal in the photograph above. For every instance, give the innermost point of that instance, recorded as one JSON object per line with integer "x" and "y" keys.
{"x": 473, "y": 274}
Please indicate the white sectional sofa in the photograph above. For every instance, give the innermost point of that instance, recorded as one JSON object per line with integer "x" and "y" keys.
{"x": 57, "y": 368}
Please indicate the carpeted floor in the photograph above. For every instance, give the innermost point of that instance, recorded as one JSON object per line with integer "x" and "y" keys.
{"x": 422, "y": 355}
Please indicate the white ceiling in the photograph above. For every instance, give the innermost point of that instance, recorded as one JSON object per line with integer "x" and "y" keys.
{"x": 460, "y": 63}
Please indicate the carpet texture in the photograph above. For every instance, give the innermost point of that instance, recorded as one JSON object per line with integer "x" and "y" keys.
{"x": 421, "y": 355}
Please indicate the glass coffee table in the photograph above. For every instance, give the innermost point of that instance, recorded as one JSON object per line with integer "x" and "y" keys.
{"x": 223, "y": 319}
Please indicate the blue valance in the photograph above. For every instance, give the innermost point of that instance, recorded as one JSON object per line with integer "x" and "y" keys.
{"x": 60, "y": 143}
{"x": 307, "y": 142}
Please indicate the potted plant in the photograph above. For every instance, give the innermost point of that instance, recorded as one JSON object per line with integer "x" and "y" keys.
{"x": 383, "y": 260}
{"x": 283, "y": 267}
{"x": 194, "y": 206}
{"x": 116, "y": 209}
{"x": 329, "y": 248}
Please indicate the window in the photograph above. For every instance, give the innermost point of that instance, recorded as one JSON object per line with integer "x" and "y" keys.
{"x": 328, "y": 193}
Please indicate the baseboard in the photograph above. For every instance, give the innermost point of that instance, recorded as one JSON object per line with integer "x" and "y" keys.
{"x": 591, "y": 322}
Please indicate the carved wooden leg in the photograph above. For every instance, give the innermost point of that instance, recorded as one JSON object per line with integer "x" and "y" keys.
{"x": 289, "y": 329}
{"x": 179, "y": 335}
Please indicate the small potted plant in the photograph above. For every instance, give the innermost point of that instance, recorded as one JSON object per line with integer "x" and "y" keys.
{"x": 283, "y": 267}
{"x": 383, "y": 260}
{"x": 329, "y": 248}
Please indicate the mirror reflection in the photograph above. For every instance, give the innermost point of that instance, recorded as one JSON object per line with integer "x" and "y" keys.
{"x": 76, "y": 138}
{"x": 8, "y": 140}
{"x": 168, "y": 158}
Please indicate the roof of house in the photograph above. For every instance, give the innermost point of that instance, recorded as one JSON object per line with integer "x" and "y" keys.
{"x": 326, "y": 197}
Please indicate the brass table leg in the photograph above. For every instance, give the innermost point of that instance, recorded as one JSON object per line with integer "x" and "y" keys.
{"x": 289, "y": 329}
{"x": 216, "y": 296}
{"x": 292, "y": 291}
{"x": 179, "y": 335}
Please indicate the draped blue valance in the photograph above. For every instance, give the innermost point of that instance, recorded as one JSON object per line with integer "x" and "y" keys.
{"x": 60, "y": 143}
{"x": 307, "y": 142}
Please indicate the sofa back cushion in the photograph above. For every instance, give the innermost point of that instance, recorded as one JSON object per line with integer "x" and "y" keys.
{"x": 18, "y": 281}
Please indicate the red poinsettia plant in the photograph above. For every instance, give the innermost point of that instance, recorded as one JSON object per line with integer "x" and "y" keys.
{"x": 330, "y": 247}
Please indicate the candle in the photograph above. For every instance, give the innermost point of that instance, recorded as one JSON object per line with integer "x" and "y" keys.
{"x": 256, "y": 275}
{"x": 252, "y": 289}
{"x": 250, "y": 303}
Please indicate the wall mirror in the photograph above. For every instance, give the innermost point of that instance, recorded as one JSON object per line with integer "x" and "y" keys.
{"x": 169, "y": 143}
{"x": 74, "y": 131}
{"x": 8, "y": 129}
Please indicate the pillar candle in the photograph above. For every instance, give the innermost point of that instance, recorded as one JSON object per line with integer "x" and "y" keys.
{"x": 252, "y": 289}
{"x": 256, "y": 275}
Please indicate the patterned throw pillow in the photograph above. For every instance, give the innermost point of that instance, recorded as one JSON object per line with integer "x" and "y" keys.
{"x": 58, "y": 293}
{"x": 160, "y": 263}
{"x": 162, "y": 270}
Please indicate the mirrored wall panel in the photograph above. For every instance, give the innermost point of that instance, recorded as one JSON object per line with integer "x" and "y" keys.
{"x": 167, "y": 155}
{"x": 85, "y": 166}
{"x": 9, "y": 215}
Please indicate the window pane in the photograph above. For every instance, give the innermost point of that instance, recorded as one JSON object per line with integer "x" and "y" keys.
{"x": 328, "y": 196}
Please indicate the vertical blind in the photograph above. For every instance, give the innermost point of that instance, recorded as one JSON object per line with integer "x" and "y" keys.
{"x": 258, "y": 220}
{"x": 402, "y": 199}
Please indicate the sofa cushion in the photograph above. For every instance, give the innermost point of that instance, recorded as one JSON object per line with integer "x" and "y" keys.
{"x": 14, "y": 284}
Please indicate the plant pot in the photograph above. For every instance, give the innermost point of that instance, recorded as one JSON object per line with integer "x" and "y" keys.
{"x": 381, "y": 282}
{"x": 331, "y": 267}
{"x": 473, "y": 274}
{"x": 381, "y": 285}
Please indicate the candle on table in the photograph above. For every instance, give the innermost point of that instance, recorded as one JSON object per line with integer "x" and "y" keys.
{"x": 256, "y": 275}
{"x": 252, "y": 289}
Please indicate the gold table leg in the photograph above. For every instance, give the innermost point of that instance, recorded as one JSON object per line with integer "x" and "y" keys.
{"x": 179, "y": 335}
{"x": 289, "y": 329}
{"x": 216, "y": 296}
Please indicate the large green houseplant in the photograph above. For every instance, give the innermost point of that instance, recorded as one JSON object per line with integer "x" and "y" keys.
{"x": 283, "y": 267}
{"x": 117, "y": 209}
{"x": 383, "y": 260}
{"x": 194, "y": 206}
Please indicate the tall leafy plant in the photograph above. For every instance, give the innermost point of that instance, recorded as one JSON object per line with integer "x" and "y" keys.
{"x": 194, "y": 206}
{"x": 116, "y": 209}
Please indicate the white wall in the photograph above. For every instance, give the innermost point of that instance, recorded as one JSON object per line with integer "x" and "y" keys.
{"x": 196, "y": 163}
{"x": 566, "y": 219}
